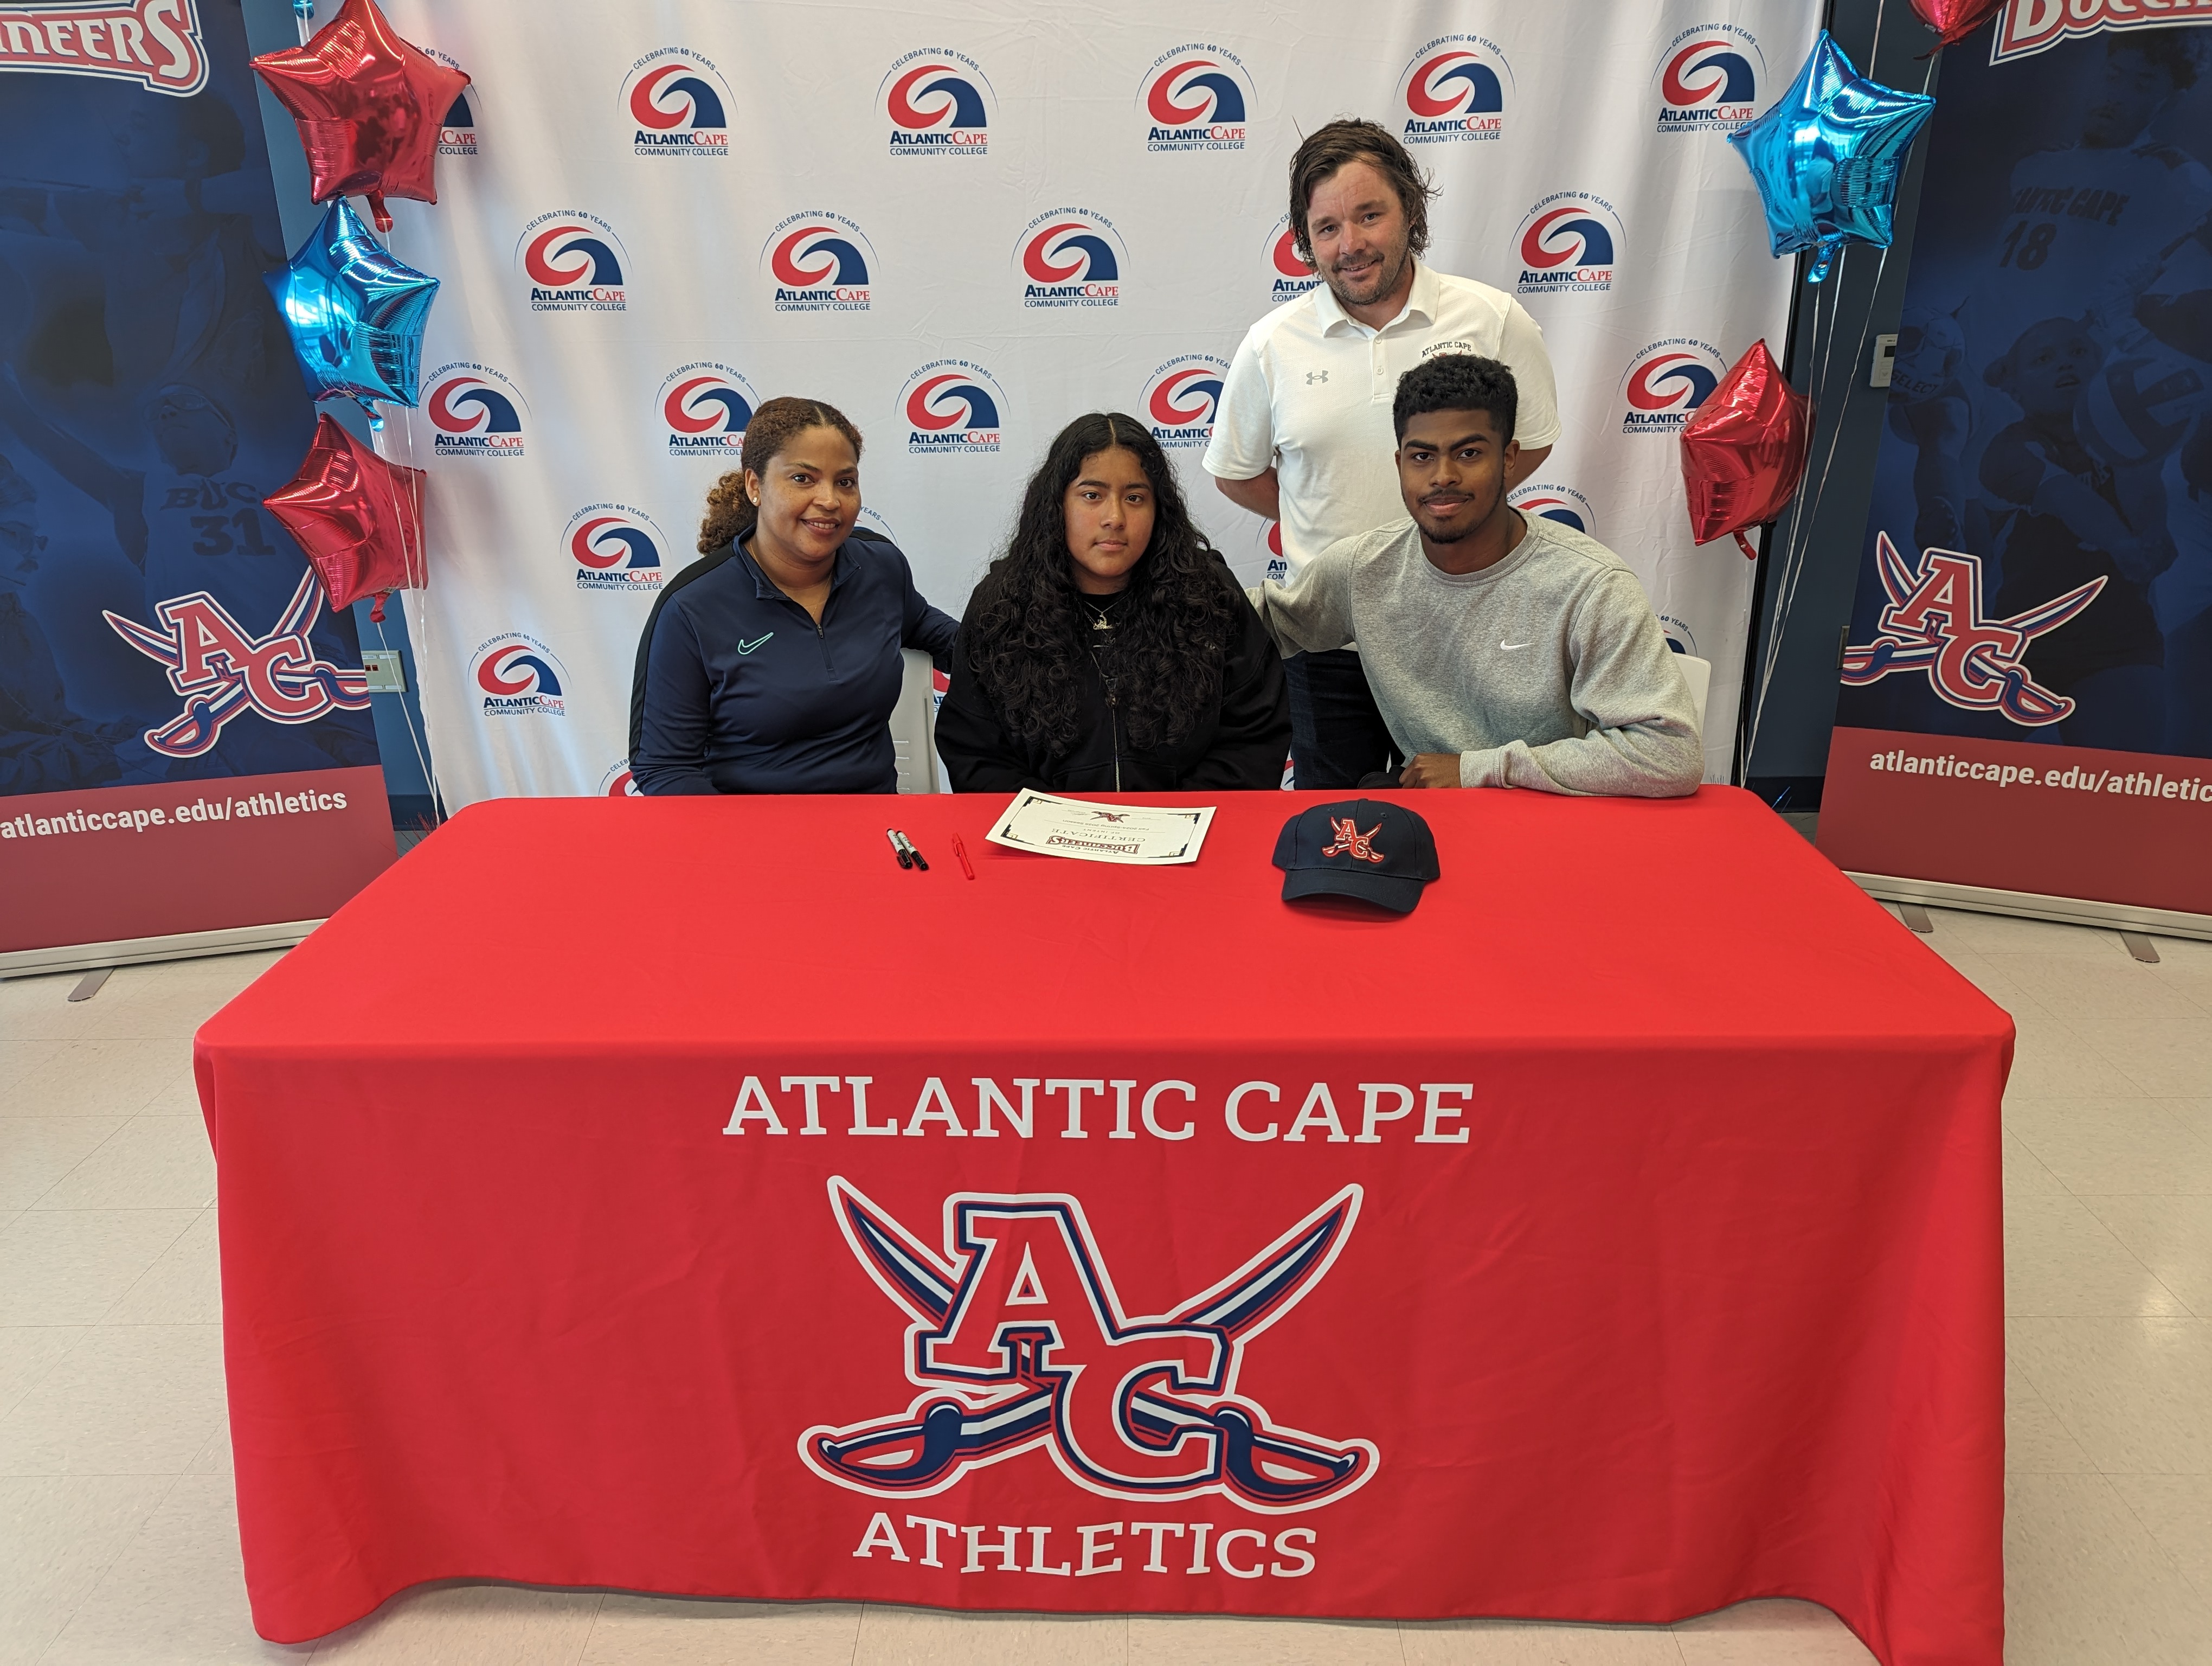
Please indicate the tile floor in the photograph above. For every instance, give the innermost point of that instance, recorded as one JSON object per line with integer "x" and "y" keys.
{"x": 118, "y": 1540}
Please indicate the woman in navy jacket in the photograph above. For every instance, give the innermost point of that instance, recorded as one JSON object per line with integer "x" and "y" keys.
{"x": 773, "y": 666}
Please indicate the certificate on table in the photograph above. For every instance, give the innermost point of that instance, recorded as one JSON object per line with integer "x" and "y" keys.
{"x": 1053, "y": 826}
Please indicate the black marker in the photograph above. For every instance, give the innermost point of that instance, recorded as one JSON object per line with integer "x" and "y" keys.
{"x": 898, "y": 848}
{"x": 907, "y": 845}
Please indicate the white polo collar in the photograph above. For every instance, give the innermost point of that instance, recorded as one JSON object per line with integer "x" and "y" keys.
{"x": 1421, "y": 305}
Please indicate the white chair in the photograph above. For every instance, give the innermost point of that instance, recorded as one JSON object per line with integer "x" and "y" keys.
{"x": 913, "y": 723}
{"x": 1697, "y": 673}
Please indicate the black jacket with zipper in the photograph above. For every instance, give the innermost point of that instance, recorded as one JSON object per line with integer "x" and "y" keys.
{"x": 1240, "y": 745}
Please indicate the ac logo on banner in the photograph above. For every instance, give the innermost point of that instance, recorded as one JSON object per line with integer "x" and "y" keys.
{"x": 1018, "y": 1342}
{"x": 1933, "y": 621}
{"x": 456, "y": 133}
{"x": 518, "y": 676}
{"x": 1194, "y": 98}
{"x": 615, "y": 548}
{"x": 1552, "y": 502}
{"x": 575, "y": 264}
{"x": 675, "y": 103}
{"x": 1290, "y": 277}
{"x": 1453, "y": 91}
{"x": 1665, "y": 382}
{"x": 938, "y": 103}
{"x": 952, "y": 407}
{"x": 704, "y": 408}
{"x": 1568, "y": 243}
{"x": 477, "y": 413}
{"x": 1707, "y": 80}
{"x": 223, "y": 672}
{"x": 821, "y": 264}
{"x": 1181, "y": 398}
{"x": 1071, "y": 258}
{"x": 617, "y": 783}
{"x": 153, "y": 43}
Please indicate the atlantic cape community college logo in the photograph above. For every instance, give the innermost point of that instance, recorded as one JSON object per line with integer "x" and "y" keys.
{"x": 1070, "y": 257}
{"x": 1568, "y": 243}
{"x": 1195, "y": 99}
{"x": 1553, "y": 501}
{"x": 457, "y": 134}
{"x": 1181, "y": 398}
{"x": 1707, "y": 80}
{"x": 1933, "y": 622}
{"x": 676, "y": 104}
{"x": 617, "y": 783}
{"x": 613, "y": 547}
{"x": 1289, "y": 276}
{"x": 477, "y": 413}
{"x": 938, "y": 103}
{"x": 1453, "y": 91}
{"x": 518, "y": 676}
{"x": 575, "y": 264}
{"x": 1665, "y": 382}
{"x": 1019, "y": 1342}
{"x": 821, "y": 264}
{"x": 704, "y": 409}
{"x": 223, "y": 671}
{"x": 951, "y": 407}
{"x": 153, "y": 43}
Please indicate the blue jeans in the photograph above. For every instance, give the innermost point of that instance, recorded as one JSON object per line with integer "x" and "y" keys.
{"x": 1337, "y": 736}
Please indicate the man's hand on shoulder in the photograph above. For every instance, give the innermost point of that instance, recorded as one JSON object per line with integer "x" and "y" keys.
{"x": 1432, "y": 769}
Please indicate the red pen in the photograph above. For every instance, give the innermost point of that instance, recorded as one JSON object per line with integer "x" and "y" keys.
{"x": 961, "y": 851}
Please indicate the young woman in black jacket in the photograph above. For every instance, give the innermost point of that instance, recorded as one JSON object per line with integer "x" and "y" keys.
{"x": 1109, "y": 649}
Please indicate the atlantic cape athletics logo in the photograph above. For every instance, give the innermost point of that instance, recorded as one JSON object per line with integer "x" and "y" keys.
{"x": 1290, "y": 276}
{"x": 951, "y": 407}
{"x": 575, "y": 264}
{"x": 1553, "y": 501}
{"x": 1070, "y": 257}
{"x": 1195, "y": 99}
{"x": 938, "y": 103}
{"x": 676, "y": 104}
{"x": 1707, "y": 80}
{"x": 1568, "y": 243}
{"x": 518, "y": 676}
{"x": 1453, "y": 91}
{"x": 1181, "y": 398}
{"x": 476, "y": 411}
{"x": 704, "y": 409}
{"x": 223, "y": 671}
{"x": 1018, "y": 1342}
{"x": 456, "y": 133}
{"x": 1934, "y": 623}
{"x": 153, "y": 43}
{"x": 1665, "y": 382}
{"x": 613, "y": 547}
{"x": 821, "y": 264}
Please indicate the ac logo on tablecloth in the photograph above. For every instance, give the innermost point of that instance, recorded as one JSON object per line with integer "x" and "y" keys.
{"x": 1019, "y": 1342}
{"x": 1934, "y": 623}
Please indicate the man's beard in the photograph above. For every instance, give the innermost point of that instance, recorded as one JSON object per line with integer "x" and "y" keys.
{"x": 1469, "y": 530}
{"x": 1393, "y": 271}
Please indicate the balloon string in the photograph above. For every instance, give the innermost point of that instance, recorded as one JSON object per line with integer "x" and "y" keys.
{"x": 418, "y": 573}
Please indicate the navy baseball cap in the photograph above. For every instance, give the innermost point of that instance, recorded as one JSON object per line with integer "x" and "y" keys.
{"x": 1363, "y": 848}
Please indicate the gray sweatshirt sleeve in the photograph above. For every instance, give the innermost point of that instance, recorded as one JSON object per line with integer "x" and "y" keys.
{"x": 1642, "y": 740}
{"x": 1311, "y": 614}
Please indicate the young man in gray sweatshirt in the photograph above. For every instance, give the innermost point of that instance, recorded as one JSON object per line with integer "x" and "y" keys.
{"x": 1503, "y": 651}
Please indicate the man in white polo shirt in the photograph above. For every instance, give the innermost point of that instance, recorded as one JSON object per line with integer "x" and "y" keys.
{"x": 1302, "y": 436}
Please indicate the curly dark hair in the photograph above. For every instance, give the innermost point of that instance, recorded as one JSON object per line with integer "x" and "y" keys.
{"x": 1025, "y": 631}
{"x": 730, "y": 513}
{"x": 1457, "y": 381}
{"x": 1326, "y": 149}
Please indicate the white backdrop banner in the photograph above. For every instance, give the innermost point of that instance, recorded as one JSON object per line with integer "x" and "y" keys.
{"x": 965, "y": 227}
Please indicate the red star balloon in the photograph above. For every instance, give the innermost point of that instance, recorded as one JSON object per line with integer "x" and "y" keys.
{"x": 1744, "y": 451}
{"x": 359, "y": 518}
{"x": 1954, "y": 19}
{"x": 368, "y": 106}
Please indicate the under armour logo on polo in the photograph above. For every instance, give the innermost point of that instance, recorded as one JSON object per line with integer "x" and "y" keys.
{"x": 1313, "y": 376}
{"x": 1351, "y": 841}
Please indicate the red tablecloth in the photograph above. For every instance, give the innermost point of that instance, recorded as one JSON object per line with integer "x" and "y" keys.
{"x": 1614, "y": 1238}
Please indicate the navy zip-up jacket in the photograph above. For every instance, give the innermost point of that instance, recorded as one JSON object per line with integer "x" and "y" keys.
{"x": 738, "y": 691}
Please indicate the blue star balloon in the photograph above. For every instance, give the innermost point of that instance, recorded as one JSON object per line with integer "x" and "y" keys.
{"x": 354, "y": 314}
{"x": 1826, "y": 157}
